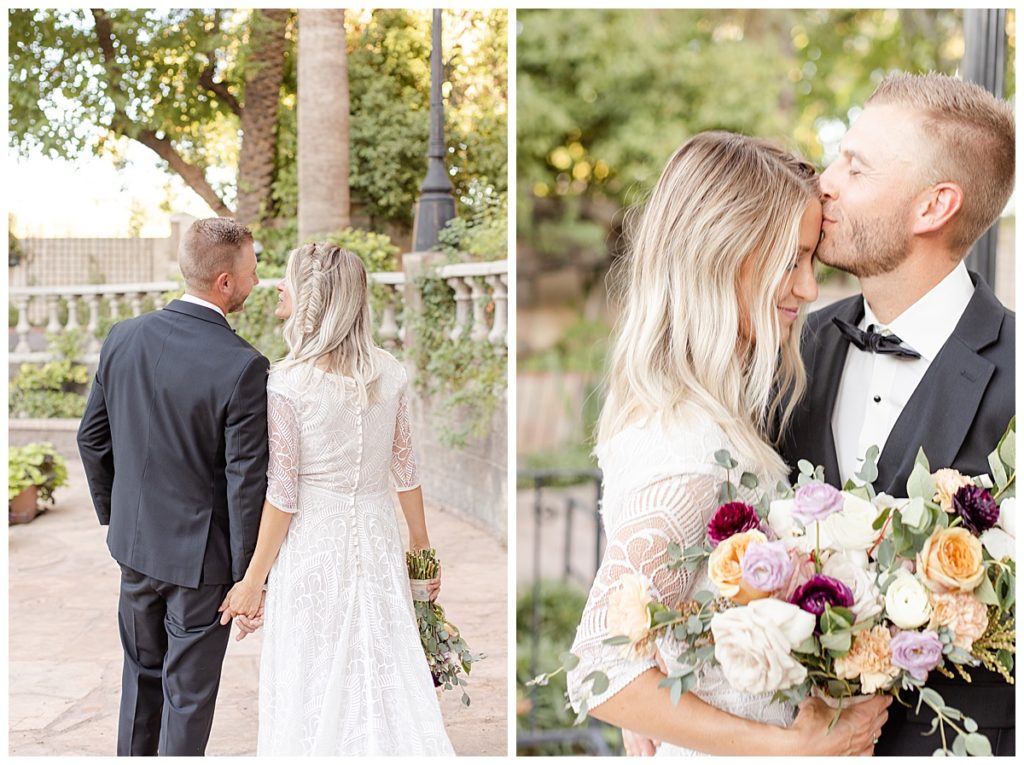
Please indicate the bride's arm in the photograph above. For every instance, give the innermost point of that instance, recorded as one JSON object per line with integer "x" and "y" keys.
{"x": 280, "y": 504}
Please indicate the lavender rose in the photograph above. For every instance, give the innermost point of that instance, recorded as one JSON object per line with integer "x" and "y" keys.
{"x": 916, "y": 652}
{"x": 820, "y": 591}
{"x": 816, "y": 502}
{"x": 767, "y": 566}
{"x": 976, "y": 508}
{"x": 731, "y": 518}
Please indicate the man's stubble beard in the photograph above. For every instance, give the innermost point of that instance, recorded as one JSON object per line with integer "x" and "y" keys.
{"x": 869, "y": 248}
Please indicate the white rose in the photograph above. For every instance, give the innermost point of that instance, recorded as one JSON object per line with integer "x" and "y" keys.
{"x": 1001, "y": 539}
{"x": 850, "y": 528}
{"x": 855, "y": 574}
{"x": 754, "y": 644}
{"x": 789, "y": 532}
{"x": 906, "y": 601}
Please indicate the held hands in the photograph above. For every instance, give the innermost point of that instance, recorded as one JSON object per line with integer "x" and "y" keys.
{"x": 244, "y": 599}
{"x": 855, "y": 733}
{"x": 638, "y": 745}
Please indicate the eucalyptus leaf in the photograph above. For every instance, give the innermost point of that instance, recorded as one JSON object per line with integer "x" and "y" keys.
{"x": 922, "y": 459}
{"x": 978, "y": 745}
{"x": 749, "y": 480}
{"x": 869, "y": 470}
{"x": 694, "y": 625}
{"x": 986, "y": 593}
{"x": 960, "y": 745}
{"x": 617, "y": 640}
{"x": 599, "y": 682}
{"x": 920, "y": 484}
{"x": 569, "y": 660}
{"x": 703, "y": 597}
{"x": 970, "y": 725}
{"x": 805, "y": 467}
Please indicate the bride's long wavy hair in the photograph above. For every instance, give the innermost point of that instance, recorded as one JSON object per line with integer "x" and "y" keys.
{"x": 330, "y": 319}
{"x": 724, "y": 201}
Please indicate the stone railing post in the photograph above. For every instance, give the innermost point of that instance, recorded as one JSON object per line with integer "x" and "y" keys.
{"x": 499, "y": 332}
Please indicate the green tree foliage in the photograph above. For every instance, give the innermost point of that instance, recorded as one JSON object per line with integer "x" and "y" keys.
{"x": 175, "y": 81}
{"x": 604, "y": 97}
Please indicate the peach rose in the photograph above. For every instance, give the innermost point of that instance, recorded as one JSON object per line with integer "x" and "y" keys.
{"x": 947, "y": 481}
{"x": 869, "y": 660}
{"x": 951, "y": 561}
{"x": 963, "y": 613}
{"x": 725, "y": 571}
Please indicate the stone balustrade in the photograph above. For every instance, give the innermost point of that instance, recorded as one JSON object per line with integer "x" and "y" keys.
{"x": 480, "y": 306}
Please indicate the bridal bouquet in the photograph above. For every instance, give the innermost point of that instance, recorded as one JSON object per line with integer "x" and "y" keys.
{"x": 843, "y": 593}
{"x": 447, "y": 653}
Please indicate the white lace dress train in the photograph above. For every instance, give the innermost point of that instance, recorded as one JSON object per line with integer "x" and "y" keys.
{"x": 342, "y": 670}
{"x": 660, "y": 486}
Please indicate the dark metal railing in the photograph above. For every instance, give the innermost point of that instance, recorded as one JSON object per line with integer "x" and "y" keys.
{"x": 557, "y": 497}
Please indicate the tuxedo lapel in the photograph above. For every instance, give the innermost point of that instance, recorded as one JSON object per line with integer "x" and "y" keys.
{"x": 830, "y": 350}
{"x": 939, "y": 414}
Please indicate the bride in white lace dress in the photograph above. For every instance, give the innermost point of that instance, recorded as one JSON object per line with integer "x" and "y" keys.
{"x": 342, "y": 670}
{"x": 707, "y": 350}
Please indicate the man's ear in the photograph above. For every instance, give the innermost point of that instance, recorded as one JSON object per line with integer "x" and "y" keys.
{"x": 936, "y": 207}
{"x": 223, "y": 282}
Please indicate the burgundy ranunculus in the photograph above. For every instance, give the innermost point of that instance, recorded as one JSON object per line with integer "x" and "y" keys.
{"x": 820, "y": 591}
{"x": 731, "y": 518}
{"x": 976, "y": 508}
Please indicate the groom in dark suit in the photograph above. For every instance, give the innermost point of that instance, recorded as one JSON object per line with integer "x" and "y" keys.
{"x": 925, "y": 356}
{"x": 174, "y": 445}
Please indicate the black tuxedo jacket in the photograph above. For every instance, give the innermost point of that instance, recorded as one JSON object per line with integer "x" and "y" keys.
{"x": 957, "y": 413}
{"x": 174, "y": 445}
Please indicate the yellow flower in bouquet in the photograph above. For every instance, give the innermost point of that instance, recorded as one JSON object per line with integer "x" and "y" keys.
{"x": 725, "y": 567}
{"x": 951, "y": 560}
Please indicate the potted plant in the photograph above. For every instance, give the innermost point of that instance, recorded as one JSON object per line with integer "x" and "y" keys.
{"x": 34, "y": 471}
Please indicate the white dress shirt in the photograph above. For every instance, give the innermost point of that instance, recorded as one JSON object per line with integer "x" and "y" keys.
{"x": 199, "y": 301}
{"x": 875, "y": 387}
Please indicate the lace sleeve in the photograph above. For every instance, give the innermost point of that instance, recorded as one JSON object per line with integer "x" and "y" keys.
{"x": 403, "y": 460}
{"x": 673, "y": 509}
{"x": 283, "y": 468}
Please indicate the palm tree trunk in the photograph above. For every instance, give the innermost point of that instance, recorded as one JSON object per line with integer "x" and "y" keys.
{"x": 323, "y": 122}
{"x": 259, "y": 115}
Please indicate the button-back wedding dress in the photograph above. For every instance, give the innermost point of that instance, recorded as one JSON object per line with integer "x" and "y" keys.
{"x": 660, "y": 486}
{"x": 342, "y": 670}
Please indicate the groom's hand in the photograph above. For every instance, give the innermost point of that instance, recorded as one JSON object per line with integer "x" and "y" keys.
{"x": 248, "y": 625}
{"x": 637, "y": 745}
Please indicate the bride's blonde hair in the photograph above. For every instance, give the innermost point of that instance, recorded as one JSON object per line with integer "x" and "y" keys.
{"x": 330, "y": 319}
{"x": 722, "y": 200}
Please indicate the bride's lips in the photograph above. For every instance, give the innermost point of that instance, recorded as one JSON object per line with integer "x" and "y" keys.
{"x": 789, "y": 313}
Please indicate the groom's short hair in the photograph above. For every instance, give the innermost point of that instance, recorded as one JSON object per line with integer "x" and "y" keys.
{"x": 972, "y": 135}
{"x": 209, "y": 248}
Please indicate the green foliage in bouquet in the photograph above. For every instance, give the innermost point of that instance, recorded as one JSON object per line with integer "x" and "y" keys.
{"x": 447, "y": 653}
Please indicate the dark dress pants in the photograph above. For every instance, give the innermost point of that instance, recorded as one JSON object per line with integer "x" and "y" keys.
{"x": 174, "y": 647}
{"x": 988, "y": 699}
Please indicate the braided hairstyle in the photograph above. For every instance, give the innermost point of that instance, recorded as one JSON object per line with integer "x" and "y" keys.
{"x": 330, "y": 322}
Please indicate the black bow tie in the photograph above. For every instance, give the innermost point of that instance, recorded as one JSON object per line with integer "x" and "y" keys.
{"x": 875, "y": 342}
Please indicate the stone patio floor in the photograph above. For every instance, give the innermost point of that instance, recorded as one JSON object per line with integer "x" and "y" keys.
{"x": 64, "y": 669}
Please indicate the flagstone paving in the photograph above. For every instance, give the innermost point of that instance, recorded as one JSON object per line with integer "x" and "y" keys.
{"x": 65, "y": 656}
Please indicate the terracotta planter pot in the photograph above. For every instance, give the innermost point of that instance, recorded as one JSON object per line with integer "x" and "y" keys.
{"x": 24, "y": 507}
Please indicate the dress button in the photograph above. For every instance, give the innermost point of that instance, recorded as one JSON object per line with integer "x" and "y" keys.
{"x": 878, "y": 399}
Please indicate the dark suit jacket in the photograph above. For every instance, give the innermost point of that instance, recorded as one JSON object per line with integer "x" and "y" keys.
{"x": 957, "y": 413}
{"x": 174, "y": 444}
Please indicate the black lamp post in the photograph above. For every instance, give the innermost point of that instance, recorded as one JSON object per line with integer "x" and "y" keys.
{"x": 436, "y": 205}
{"x": 985, "y": 64}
